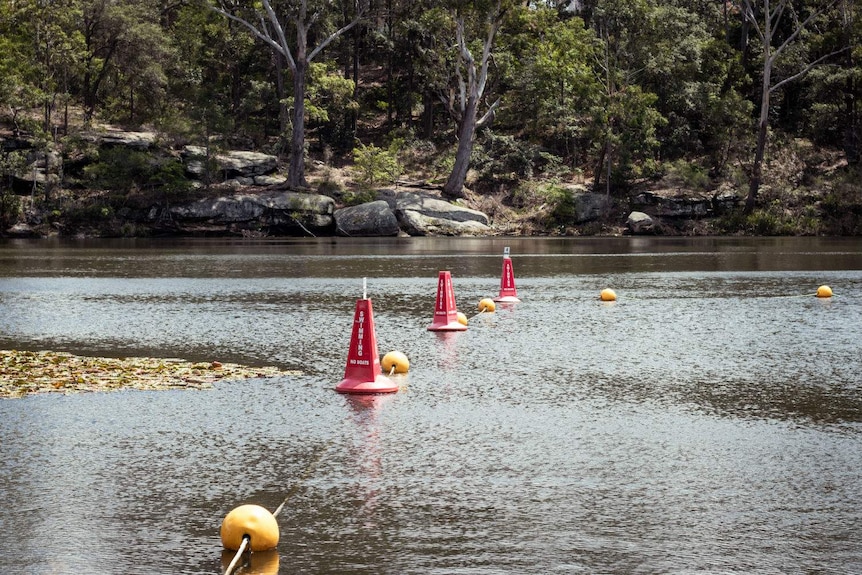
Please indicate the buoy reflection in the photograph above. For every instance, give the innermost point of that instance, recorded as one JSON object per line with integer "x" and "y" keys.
{"x": 257, "y": 563}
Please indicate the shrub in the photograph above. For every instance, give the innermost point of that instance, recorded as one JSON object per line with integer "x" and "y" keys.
{"x": 351, "y": 198}
{"x": 122, "y": 170}
{"x": 687, "y": 175}
{"x": 376, "y": 165}
{"x": 10, "y": 209}
{"x": 502, "y": 160}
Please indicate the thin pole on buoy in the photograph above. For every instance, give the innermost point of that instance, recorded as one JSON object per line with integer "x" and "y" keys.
{"x": 239, "y": 553}
{"x": 280, "y": 507}
{"x": 364, "y": 288}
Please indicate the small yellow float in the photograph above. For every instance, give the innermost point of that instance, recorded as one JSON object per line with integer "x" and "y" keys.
{"x": 608, "y": 295}
{"x": 395, "y": 362}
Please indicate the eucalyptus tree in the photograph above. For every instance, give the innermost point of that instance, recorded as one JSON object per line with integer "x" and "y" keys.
{"x": 781, "y": 27}
{"x": 546, "y": 61}
{"x": 272, "y": 22}
{"x": 469, "y": 67}
{"x": 114, "y": 67}
{"x": 625, "y": 121}
{"x": 39, "y": 51}
{"x": 829, "y": 97}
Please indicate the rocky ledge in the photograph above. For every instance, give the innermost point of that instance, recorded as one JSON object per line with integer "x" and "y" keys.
{"x": 251, "y": 199}
{"x": 280, "y": 212}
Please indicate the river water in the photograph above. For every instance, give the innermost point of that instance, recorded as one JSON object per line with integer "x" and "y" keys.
{"x": 708, "y": 421}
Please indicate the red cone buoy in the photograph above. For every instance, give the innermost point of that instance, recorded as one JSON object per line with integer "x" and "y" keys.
{"x": 508, "y": 293}
{"x": 445, "y": 312}
{"x": 363, "y": 373}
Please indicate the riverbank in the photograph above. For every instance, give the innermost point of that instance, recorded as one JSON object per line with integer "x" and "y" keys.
{"x": 37, "y": 372}
{"x": 122, "y": 184}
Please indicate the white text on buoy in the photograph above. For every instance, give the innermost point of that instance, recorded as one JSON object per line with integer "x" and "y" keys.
{"x": 445, "y": 310}
{"x": 363, "y": 373}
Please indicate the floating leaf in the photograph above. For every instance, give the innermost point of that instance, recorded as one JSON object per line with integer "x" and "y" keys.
{"x": 24, "y": 372}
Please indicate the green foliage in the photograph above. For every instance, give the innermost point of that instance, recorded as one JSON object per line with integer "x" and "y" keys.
{"x": 638, "y": 85}
{"x": 377, "y": 165}
{"x": 774, "y": 219}
{"x": 562, "y": 202}
{"x": 330, "y": 105}
{"x": 842, "y": 206}
{"x": 11, "y": 163}
{"x": 10, "y": 209}
{"x": 549, "y": 64}
{"x": 354, "y": 198}
{"x": 687, "y": 174}
{"x": 502, "y": 161}
{"x": 122, "y": 170}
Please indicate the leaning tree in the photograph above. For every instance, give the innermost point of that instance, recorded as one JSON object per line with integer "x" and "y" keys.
{"x": 766, "y": 19}
{"x": 471, "y": 78}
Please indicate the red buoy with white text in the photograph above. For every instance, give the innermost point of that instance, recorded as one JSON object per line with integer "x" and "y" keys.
{"x": 445, "y": 312}
{"x": 363, "y": 373}
{"x": 508, "y": 292}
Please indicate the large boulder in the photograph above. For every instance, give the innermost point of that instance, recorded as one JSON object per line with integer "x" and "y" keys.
{"x": 417, "y": 224}
{"x": 640, "y": 223}
{"x": 368, "y": 219}
{"x": 589, "y": 207}
{"x": 675, "y": 203}
{"x": 289, "y": 213}
{"x": 43, "y": 168}
{"x": 114, "y": 137}
{"x": 433, "y": 207}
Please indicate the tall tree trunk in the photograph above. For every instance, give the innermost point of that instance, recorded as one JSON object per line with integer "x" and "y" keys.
{"x": 471, "y": 88}
{"x": 851, "y": 127}
{"x": 762, "y": 130}
{"x": 427, "y": 115}
{"x": 296, "y": 169}
{"x": 454, "y": 187}
{"x": 600, "y": 166}
{"x": 766, "y": 33}
{"x": 283, "y": 110}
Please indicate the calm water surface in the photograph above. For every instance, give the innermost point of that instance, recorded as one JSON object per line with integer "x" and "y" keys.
{"x": 709, "y": 421}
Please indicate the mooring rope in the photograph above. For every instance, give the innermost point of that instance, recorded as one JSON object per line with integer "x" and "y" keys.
{"x": 478, "y": 314}
{"x": 305, "y": 474}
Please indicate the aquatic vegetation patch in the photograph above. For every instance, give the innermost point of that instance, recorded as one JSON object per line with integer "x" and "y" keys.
{"x": 30, "y": 372}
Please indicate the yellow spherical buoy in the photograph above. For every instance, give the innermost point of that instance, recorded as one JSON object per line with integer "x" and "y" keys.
{"x": 487, "y": 305}
{"x": 252, "y": 521}
{"x": 608, "y": 295}
{"x": 395, "y": 362}
{"x": 824, "y": 291}
{"x": 462, "y": 319}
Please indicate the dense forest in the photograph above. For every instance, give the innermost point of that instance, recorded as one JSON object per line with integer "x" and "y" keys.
{"x": 497, "y": 100}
